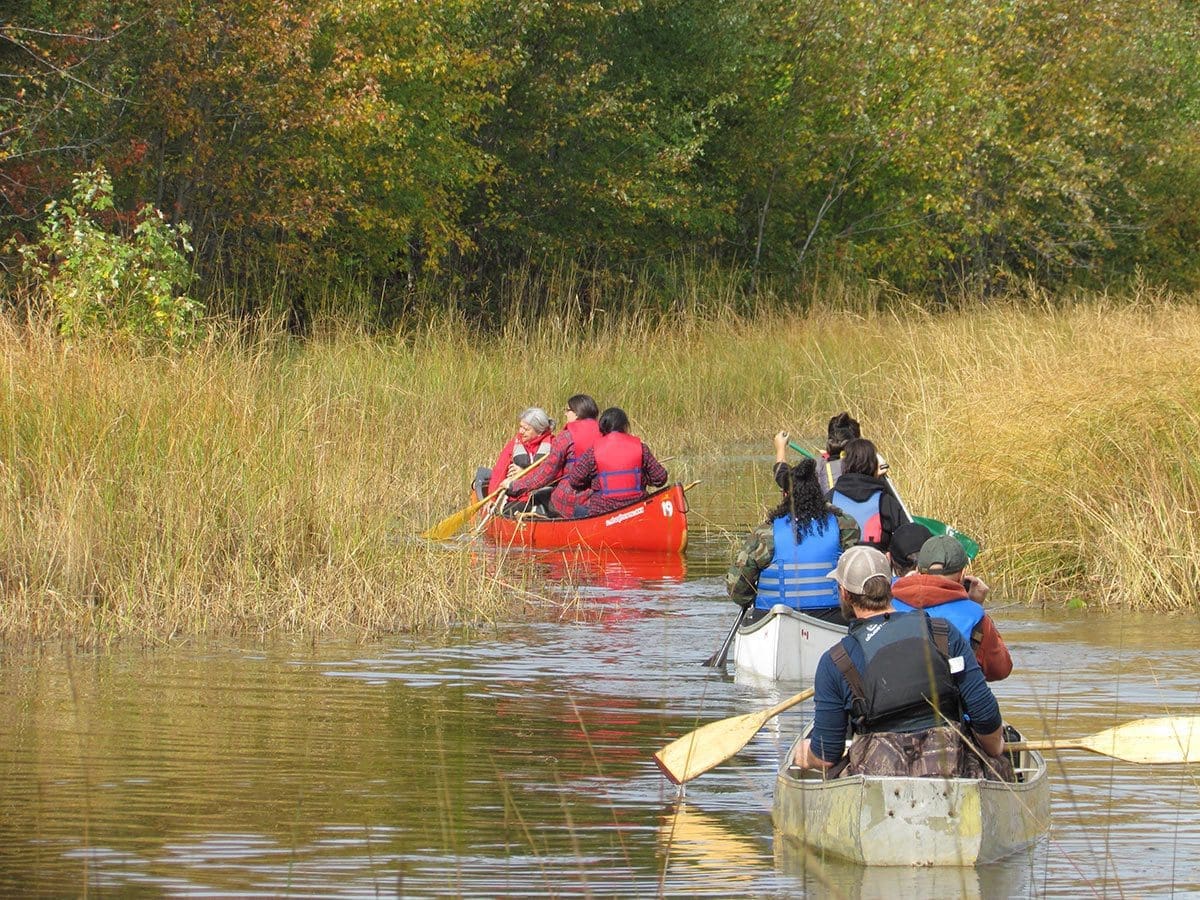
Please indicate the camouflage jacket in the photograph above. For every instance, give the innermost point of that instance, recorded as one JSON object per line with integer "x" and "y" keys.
{"x": 759, "y": 549}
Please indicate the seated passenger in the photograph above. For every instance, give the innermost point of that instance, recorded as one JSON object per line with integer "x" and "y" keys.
{"x": 531, "y": 443}
{"x": 907, "y": 541}
{"x": 863, "y": 493}
{"x": 577, "y": 437}
{"x": 785, "y": 559}
{"x": 841, "y": 431}
{"x": 942, "y": 590}
{"x": 902, "y": 682}
{"x": 617, "y": 468}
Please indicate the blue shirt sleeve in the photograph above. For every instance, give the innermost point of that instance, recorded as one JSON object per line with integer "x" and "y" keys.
{"x": 977, "y": 698}
{"x": 831, "y": 715}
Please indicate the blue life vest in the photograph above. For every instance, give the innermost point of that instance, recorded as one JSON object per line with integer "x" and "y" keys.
{"x": 865, "y": 513}
{"x": 963, "y": 614}
{"x": 796, "y": 575}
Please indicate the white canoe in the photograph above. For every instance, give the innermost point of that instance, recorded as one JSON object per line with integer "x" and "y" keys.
{"x": 879, "y": 821}
{"x": 784, "y": 645}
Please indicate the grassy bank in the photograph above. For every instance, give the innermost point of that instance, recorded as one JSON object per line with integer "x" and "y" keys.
{"x": 277, "y": 487}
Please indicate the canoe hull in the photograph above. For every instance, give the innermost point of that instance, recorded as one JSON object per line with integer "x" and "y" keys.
{"x": 656, "y": 524}
{"x": 878, "y": 821}
{"x": 784, "y": 645}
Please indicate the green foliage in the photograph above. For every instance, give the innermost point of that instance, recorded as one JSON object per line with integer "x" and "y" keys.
{"x": 376, "y": 144}
{"x": 97, "y": 281}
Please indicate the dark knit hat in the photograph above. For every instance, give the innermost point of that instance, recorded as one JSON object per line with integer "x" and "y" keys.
{"x": 907, "y": 541}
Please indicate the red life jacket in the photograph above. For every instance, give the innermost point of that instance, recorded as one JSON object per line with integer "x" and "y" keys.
{"x": 618, "y": 465}
{"x": 584, "y": 433}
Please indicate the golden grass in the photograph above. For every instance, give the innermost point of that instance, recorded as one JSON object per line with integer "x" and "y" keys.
{"x": 277, "y": 488}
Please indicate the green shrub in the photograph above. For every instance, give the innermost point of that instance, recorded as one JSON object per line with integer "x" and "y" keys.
{"x": 95, "y": 280}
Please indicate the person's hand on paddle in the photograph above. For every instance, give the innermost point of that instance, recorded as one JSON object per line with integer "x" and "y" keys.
{"x": 508, "y": 482}
{"x": 977, "y": 588}
{"x": 781, "y": 442}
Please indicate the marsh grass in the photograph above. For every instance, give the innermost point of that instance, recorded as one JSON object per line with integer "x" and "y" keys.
{"x": 276, "y": 486}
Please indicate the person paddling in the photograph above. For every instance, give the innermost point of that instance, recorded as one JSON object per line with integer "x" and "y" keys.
{"x": 902, "y": 682}
{"x": 578, "y": 435}
{"x": 784, "y": 560}
{"x": 617, "y": 469}
{"x": 531, "y": 442}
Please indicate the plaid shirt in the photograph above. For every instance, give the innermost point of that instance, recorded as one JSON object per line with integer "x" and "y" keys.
{"x": 583, "y": 476}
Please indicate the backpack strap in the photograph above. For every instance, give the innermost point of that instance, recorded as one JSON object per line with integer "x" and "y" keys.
{"x": 842, "y": 660}
{"x": 941, "y": 636}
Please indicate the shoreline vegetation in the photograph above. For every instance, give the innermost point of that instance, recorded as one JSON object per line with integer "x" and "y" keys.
{"x": 272, "y": 486}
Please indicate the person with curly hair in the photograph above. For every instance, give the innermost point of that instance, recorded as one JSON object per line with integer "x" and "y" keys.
{"x": 784, "y": 560}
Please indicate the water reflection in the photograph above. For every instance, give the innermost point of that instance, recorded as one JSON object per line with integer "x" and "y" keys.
{"x": 518, "y": 759}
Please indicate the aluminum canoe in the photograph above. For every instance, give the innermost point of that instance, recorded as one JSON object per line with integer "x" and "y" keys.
{"x": 784, "y": 645}
{"x": 879, "y": 821}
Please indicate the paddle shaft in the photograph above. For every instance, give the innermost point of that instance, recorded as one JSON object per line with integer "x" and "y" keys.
{"x": 718, "y": 659}
{"x": 1046, "y": 745}
{"x": 1167, "y": 740}
{"x": 768, "y": 715}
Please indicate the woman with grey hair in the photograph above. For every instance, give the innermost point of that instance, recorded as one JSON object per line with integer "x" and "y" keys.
{"x": 531, "y": 442}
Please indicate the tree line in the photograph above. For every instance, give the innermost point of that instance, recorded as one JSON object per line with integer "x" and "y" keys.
{"x": 929, "y": 144}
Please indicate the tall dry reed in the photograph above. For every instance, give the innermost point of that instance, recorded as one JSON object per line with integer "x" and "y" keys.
{"x": 276, "y": 486}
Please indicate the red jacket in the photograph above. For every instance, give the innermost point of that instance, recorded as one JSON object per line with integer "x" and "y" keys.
{"x": 534, "y": 449}
{"x": 928, "y": 592}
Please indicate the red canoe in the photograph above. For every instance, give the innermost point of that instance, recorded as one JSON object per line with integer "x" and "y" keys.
{"x": 657, "y": 523}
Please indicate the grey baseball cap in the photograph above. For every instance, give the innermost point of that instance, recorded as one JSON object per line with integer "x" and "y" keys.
{"x": 857, "y": 566}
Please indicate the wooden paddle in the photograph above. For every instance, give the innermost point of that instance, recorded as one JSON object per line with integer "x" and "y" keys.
{"x": 454, "y": 522}
{"x": 1170, "y": 739}
{"x": 710, "y": 745}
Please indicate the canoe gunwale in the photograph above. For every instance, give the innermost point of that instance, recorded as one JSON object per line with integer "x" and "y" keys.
{"x": 780, "y": 610}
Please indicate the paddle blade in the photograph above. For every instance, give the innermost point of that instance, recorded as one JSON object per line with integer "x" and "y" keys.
{"x": 708, "y": 746}
{"x": 453, "y": 523}
{"x": 970, "y": 546}
{"x": 1171, "y": 739}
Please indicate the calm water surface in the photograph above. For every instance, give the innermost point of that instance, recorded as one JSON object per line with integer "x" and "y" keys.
{"x": 518, "y": 760}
